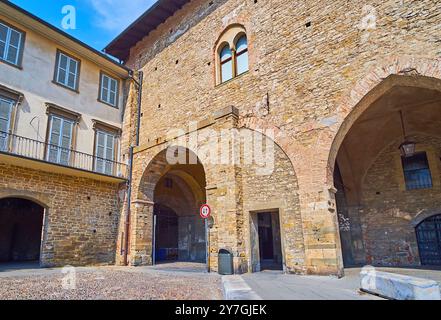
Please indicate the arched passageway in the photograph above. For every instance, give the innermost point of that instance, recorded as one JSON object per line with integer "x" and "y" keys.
{"x": 21, "y": 224}
{"x": 387, "y": 172}
{"x": 177, "y": 191}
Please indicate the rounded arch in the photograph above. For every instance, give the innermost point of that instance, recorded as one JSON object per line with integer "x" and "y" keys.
{"x": 289, "y": 147}
{"x": 159, "y": 166}
{"x": 396, "y": 71}
{"x": 41, "y": 200}
{"x": 229, "y": 35}
{"x": 424, "y": 215}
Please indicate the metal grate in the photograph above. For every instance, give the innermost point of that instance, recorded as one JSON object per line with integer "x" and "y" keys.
{"x": 429, "y": 241}
{"x": 417, "y": 172}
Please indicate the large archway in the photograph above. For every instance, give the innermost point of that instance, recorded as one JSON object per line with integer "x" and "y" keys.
{"x": 21, "y": 226}
{"x": 176, "y": 187}
{"x": 381, "y": 190}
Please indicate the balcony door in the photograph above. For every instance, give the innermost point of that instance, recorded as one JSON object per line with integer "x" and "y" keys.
{"x": 105, "y": 152}
{"x": 60, "y": 140}
{"x": 5, "y": 120}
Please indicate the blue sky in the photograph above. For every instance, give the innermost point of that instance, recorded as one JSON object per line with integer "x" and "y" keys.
{"x": 97, "y": 21}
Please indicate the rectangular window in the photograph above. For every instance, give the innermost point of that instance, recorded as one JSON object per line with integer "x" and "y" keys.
{"x": 5, "y": 120}
{"x": 11, "y": 44}
{"x": 60, "y": 140}
{"x": 67, "y": 71}
{"x": 104, "y": 152}
{"x": 109, "y": 90}
{"x": 417, "y": 172}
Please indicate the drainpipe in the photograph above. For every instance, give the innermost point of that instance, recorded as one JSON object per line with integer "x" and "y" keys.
{"x": 129, "y": 189}
{"x": 138, "y": 125}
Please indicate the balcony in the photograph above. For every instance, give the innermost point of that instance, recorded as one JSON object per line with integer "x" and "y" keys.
{"x": 30, "y": 153}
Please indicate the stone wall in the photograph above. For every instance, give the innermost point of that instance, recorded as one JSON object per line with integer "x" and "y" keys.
{"x": 276, "y": 191}
{"x": 388, "y": 210}
{"x": 81, "y": 216}
{"x": 310, "y": 65}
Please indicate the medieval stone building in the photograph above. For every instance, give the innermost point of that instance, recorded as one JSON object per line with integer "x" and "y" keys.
{"x": 311, "y": 129}
{"x": 350, "y": 94}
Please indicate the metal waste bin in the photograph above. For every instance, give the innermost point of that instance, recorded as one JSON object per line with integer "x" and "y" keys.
{"x": 225, "y": 262}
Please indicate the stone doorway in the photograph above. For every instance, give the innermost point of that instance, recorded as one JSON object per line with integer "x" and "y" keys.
{"x": 266, "y": 242}
{"x": 21, "y": 225}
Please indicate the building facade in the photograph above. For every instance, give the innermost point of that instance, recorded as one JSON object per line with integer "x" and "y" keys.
{"x": 350, "y": 96}
{"x": 61, "y": 108}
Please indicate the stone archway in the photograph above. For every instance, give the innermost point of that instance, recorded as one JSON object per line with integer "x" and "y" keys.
{"x": 376, "y": 199}
{"x": 21, "y": 230}
{"x": 171, "y": 185}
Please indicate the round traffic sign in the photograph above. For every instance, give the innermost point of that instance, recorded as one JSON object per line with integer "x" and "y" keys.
{"x": 205, "y": 211}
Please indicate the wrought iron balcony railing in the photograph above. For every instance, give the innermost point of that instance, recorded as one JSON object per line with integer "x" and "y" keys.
{"x": 33, "y": 149}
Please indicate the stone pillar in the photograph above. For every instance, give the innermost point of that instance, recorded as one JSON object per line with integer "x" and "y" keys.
{"x": 224, "y": 193}
{"x": 141, "y": 233}
{"x": 321, "y": 235}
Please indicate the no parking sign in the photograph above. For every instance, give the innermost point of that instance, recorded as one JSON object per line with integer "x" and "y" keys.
{"x": 205, "y": 211}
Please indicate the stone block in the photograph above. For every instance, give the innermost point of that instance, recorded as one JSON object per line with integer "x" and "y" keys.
{"x": 399, "y": 287}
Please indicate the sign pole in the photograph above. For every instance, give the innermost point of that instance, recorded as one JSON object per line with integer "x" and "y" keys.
{"x": 154, "y": 241}
{"x": 205, "y": 212}
{"x": 207, "y": 245}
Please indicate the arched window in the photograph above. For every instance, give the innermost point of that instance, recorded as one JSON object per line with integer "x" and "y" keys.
{"x": 241, "y": 55}
{"x": 232, "y": 54}
{"x": 226, "y": 61}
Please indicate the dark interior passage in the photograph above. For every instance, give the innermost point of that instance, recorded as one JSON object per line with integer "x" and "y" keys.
{"x": 269, "y": 241}
{"x": 21, "y": 223}
{"x": 166, "y": 244}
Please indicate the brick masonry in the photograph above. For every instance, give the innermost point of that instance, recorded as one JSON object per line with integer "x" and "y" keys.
{"x": 315, "y": 62}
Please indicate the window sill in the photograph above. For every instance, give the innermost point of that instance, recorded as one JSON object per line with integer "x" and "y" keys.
{"x": 65, "y": 87}
{"x": 232, "y": 79}
{"x": 19, "y": 67}
{"x": 108, "y": 104}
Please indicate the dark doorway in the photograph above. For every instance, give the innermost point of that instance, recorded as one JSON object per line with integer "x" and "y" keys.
{"x": 21, "y": 223}
{"x": 270, "y": 247}
{"x": 429, "y": 241}
{"x": 166, "y": 246}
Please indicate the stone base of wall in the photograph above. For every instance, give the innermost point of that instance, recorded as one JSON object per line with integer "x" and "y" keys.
{"x": 81, "y": 215}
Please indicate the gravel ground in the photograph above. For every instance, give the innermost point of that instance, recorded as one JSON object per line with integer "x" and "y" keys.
{"x": 112, "y": 283}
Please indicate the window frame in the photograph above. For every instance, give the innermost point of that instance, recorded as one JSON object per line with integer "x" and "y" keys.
{"x": 221, "y": 63}
{"x": 100, "y": 89}
{"x": 71, "y": 139}
{"x": 56, "y": 71}
{"x": 230, "y": 36}
{"x": 99, "y": 126}
{"x": 238, "y": 54}
{"x": 428, "y": 168}
{"x": 60, "y": 112}
{"x": 21, "y": 48}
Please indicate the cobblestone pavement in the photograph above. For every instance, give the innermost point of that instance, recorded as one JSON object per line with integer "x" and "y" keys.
{"x": 111, "y": 283}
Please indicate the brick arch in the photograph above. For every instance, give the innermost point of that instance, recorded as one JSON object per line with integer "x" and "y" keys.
{"x": 395, "y": 71}
{"x": 289, "y": 146}
{"x": 154, "y": 170}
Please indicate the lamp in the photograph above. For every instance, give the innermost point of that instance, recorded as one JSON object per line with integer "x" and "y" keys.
{"x": 407, "y": 148}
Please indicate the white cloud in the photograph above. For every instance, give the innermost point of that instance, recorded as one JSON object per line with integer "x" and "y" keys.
{"x": 115, "y": 15}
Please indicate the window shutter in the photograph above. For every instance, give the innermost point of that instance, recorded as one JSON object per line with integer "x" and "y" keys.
{"x": 14, "y": 46}
{"x": 5, "y": 115}
{"x": 54, "y": 139}
{"x": 3, "y": 36}
{"x": 100, "y": 147}
{"x": 72, "y": 76}
{"x": 62, "y": 68}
